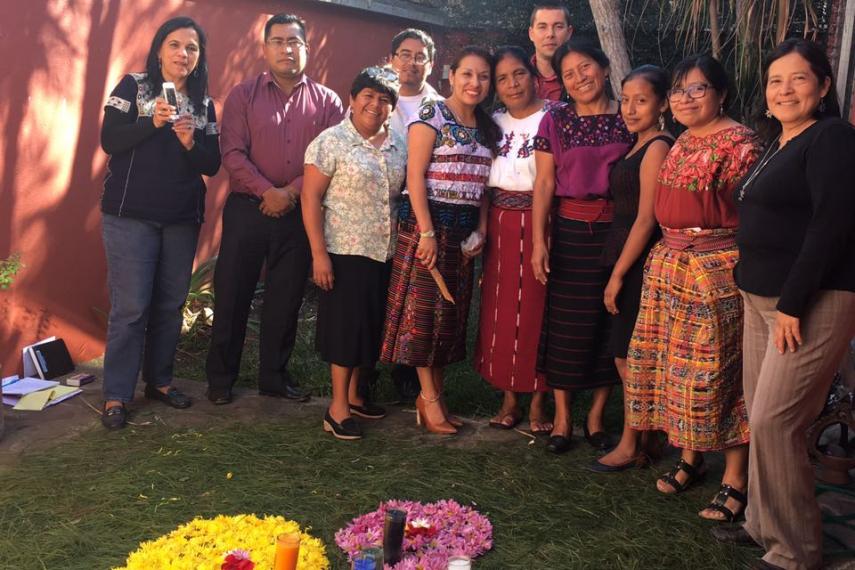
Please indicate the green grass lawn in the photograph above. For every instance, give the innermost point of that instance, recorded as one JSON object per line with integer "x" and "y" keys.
{"x": 89, "y": 502}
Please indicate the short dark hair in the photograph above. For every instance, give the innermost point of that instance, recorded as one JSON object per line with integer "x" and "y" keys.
{"x": 197, "y": 82}
{"x": 285, "y": 19}
{"x": 769, "y": 127}
{"x": 654, "y": 75}
{"x": 546, "y": 5}
{"x": 379, "y": 78}
{"x": 713, "y": 71}
{"x": 414, "y": 34}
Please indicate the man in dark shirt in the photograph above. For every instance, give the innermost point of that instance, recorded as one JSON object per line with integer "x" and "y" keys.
{"x": 268, "y": 121}
{"x": 550, "y": 27}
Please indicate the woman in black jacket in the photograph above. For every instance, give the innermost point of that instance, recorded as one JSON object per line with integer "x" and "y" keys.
{"x": 796, "y": 273}
{"x": 153, "y": 206}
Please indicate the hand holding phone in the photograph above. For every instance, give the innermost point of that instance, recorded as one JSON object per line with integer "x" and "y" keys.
{"x": 171, "y": 97}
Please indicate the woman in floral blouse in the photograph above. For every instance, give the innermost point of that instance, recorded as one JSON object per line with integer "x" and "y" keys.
{"x": 685, "y": 357}
{"x": 351, "y": 187}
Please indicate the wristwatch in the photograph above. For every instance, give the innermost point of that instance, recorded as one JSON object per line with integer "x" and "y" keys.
{"x": 427, "y": 234}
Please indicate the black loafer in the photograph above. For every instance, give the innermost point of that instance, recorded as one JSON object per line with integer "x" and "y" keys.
{"x": 115, "y": 417}
{"x": 368, "y": 411}
{"x": 347, "y": 429}
{"x": 600, "y": 440}
{"x": 558, "y": 444}
{"x": 638, "y": 461}
{"x": 219, "y": 396}
{"x": 734, "y": 534}
{"x": 288, "y": 391}
{"x": 173, "y": 397}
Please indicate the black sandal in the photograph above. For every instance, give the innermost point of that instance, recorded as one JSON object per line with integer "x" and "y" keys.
{"x": 718, "y": 503}
{"x": 694, "y": 472}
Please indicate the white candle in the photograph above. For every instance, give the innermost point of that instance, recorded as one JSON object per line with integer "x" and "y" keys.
{"x": 459, "y": 563}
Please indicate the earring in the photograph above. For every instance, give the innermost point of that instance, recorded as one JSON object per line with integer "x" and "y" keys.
{"x": 159, "y": 63}
{"x": 768, "y": 114}
{"x": 721, "y": 110}
{"x": 822, "y": 105}
{"x": 661, "y": 122}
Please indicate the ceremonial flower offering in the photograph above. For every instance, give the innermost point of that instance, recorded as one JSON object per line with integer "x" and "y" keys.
{"x": 434, "y": 533}
{"x": 241, "y": 542}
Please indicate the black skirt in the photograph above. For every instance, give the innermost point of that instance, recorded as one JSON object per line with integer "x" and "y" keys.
{"x": 350, "y": 316}
{"x": 627, "y": 303}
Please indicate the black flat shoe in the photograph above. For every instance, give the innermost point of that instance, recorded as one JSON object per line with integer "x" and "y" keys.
{"x": 599, "y": 440}
{"x": 173, "y": 397}
{"x": 287, "y": 391}
{"x": 636, "y": 462}
{"x": 219, "y": 396}
{"x": 368, "y": 411}
{"x": 558, "y": 444}
{"x": 733, "y": 534}
{"x": 348, "y": 428}
{"x": 115, "y": 417}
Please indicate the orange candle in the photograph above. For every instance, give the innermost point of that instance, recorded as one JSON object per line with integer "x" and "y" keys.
{"x": 287, "y": 551}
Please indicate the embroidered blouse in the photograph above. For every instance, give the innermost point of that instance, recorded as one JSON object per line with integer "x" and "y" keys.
{"x": 460, "y": 165}
{"x": 513, "y": 168}
{"x": 150, "y": 175}
{"x": 361, "y": 202}
{"x": 698, "y": 176}
{"x": 584, "y": 149}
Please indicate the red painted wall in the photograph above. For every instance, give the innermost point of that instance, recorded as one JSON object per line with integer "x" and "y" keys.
{"x": 60, "y": 60}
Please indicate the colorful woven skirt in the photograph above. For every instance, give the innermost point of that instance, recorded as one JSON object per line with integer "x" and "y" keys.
{"x": 573, "y": 349}
{"x": 423, "y": 329}
{"x": 685, "y": 356}
{"x": 511, "y": 299}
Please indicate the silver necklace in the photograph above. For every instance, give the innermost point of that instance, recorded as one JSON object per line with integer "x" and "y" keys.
{"x": 763, "y": 162}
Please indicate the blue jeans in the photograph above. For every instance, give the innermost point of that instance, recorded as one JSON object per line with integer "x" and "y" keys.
{"x": 148, "y": 274}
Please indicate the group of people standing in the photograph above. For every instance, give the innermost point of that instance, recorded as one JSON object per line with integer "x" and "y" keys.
{"x": 713, "y": 273}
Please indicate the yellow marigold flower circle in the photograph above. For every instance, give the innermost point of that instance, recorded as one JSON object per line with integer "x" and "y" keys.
{"x": 202, "y": 544}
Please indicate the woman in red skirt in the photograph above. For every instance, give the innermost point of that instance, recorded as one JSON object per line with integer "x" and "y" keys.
{"x": 511, "y": 298}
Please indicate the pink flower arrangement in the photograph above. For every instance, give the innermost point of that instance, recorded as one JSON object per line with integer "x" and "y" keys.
{"x": 237, "y": 560}
{"x": 434, "y": 532}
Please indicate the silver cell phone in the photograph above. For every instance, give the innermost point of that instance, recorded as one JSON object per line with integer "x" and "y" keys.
{"x": 171, "y": 97}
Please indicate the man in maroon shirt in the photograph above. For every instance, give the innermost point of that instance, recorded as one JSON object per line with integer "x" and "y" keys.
{"x": 268, "y": 121}
{"x": 550, "y": 27}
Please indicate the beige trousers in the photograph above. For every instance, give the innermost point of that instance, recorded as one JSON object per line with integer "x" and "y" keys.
{"x": 785, "y": 393}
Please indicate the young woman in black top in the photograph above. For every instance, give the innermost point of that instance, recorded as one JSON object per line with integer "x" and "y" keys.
{"x": 152, "y": 207}
{"x": 796, "y": 274}
{"x": 632, "y": 184}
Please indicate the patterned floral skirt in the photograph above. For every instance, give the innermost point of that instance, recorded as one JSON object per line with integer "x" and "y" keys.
{"x": 685, "y": 356}
{"x": 511, "y": 299}
{"x": 423, "y": 329}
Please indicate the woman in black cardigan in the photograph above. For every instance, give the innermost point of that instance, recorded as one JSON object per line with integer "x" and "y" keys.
{"x": 152, "y": 208}
{"x": 797, "y": 277}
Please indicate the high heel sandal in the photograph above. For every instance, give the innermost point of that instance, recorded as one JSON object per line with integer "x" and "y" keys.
{"x": 453, "y": 420}
{"x": 442, "y": 428}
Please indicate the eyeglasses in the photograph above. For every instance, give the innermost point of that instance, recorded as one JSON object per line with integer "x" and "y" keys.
{"x": 407, "y": 57}
{"x": 279, "y": 43}
{"x": 693, "y": 91}
{"x": 382, "y": 73}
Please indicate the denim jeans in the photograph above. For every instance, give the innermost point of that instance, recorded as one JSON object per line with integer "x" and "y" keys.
{"x": 148, "y": 274}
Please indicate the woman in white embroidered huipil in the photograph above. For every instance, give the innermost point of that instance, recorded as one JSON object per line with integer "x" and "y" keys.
{"x": 511, "y": 298}
{"x": 352, "y": 183}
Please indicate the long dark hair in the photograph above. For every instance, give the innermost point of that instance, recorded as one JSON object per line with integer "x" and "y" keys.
{"x": 586, "y": 49}
{"x": 197, "y": 82}
{"x": 658, "y": 79}
{"x": 490, "y": 131}
{"x": 768, "y": 127}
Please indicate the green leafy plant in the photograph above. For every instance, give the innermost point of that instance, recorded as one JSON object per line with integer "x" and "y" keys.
{"x": 9, "y": 267}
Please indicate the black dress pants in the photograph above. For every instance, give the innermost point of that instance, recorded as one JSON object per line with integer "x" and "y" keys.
{"x": 251, "y": 240}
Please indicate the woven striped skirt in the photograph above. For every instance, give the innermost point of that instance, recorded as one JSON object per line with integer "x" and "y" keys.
{"x": 685, "y": 356}
{"x": 573, "y": 349}
{"x": 511, "y": 298}
{"x": 421, "y": 328}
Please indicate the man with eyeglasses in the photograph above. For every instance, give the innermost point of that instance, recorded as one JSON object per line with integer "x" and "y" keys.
{"x": 268, "y": 121}
{"x": 549, "y": 28}
{"x": 412, "y": 59}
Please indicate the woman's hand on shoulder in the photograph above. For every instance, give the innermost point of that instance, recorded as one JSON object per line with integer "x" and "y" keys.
{"x": 322, "y": 271}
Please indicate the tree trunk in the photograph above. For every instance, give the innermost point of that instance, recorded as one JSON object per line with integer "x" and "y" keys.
{"x": 609, "y": 29}
{"x": 715, "y": 30}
